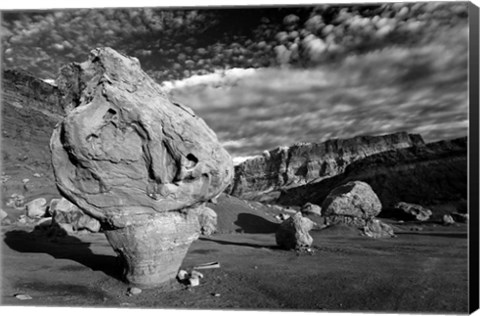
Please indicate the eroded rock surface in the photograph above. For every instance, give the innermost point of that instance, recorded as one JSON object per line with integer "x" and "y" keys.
{"x": 420, "y": 174}
{"x": 136, "y": 161}
{"x": 355, "y": 199}
{"x": 263, "y": 177}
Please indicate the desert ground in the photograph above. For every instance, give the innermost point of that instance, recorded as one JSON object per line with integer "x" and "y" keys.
{"x": 422, "y": 270}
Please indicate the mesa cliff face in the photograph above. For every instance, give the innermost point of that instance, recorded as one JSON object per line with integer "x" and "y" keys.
{"x": 435, "y": 172}
{"x": 30, "y": 107}
{"x": 263, "y": 178}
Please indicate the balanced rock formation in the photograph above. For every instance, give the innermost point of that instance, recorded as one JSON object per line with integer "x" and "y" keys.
{"x": 352, "y": 203}
{"x": 413, "y": 211}
{"x": 293, "y": 232}
{"x": 264, "y": 177}
{"x": 135, "y": 161}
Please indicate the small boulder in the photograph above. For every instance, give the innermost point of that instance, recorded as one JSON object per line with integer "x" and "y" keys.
{"x": 16, "y": 201}
{"x": 293, "y": 232}
{"x": 311, "y": 209}
{"x": 355, "y": 199}
{"x": 65, "y": 212}
{"x": 375, "y": 228}
{"x": 414, "y": 211}
{"x": 36, "y": 208}
{"x": 207, "y": 219}
{"x": 448, "y": 220}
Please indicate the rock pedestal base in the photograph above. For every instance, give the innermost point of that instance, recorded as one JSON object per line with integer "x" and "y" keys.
{"x": 153, "y": 250}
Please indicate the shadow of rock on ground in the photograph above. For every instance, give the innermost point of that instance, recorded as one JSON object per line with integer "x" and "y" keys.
{"x": 254, "y": 224}
{"x": 243, "y": 244}
{"x": 65, "y": 247}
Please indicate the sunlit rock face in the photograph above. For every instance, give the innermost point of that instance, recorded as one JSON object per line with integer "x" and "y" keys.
{"x": 135, "y": 161}
{"x": 264, "y": 177}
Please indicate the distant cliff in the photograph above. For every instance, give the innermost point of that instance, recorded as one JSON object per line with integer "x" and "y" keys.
{"x": 263, "y": 178}
{"x": 436, "y": 172}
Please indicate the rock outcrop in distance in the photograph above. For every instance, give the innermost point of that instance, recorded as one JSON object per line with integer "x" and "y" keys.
{"x": 418, "y": 174}
{"x": 264, "y": 177}
{"x": 137, "y": 162}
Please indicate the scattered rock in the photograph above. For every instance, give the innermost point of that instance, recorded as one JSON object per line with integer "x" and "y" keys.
{"x": 414, "y": 211}
{"x": 459, "y": 217}
{"x": 36, "y": 208}
{"x": 207, "y": 219}
{"x": 182, "y": 275}
{"x": 23, "y": 297}
{"x": 355, "y": 199}
{"x": 216, "y": 294}
{"x": 196, "y": 274}
{"x": 378, "y": 229}
{"x": 140, "y": 141}
{"x": 447, "y": 220}
{"x": 311, "y": 209}
{"x": 293, "y": 232}
{"x": 25, "y": 181}
{"x": 134, "y": 291}
{"x": 37, "y": 175}
{"x": 16, "y": 201}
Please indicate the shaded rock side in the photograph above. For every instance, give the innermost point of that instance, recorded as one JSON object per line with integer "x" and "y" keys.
{"x": 125, "y": 151}
{"x": 207, "y": 219}
{"x": 410, "y": 211}
{"x": 421, "y": 174}
{"x": 137, "y": 162}
{"x": 263, "y": 177}
{"x": 293, "y": 232}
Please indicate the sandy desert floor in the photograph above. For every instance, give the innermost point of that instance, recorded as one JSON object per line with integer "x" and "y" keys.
{"x": 424, "y": 269}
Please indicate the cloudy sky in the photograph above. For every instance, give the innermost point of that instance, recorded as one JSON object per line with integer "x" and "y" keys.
{"x": 420, "y": 88}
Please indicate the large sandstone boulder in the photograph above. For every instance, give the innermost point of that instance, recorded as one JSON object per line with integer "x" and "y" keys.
{"x": 293, "y": 232}
{"x": 136, "y": 161}
{"x": 413, "y": 211}
{"x": 354, "y": 202}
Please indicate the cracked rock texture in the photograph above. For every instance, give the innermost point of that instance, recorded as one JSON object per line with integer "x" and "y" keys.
{"x": 265, "y": 177}
{"x": 136, "y": 161}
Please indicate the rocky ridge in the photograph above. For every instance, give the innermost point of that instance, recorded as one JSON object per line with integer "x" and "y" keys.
{"x": 430, "y": 173}
{"x": 264, "y": 177}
